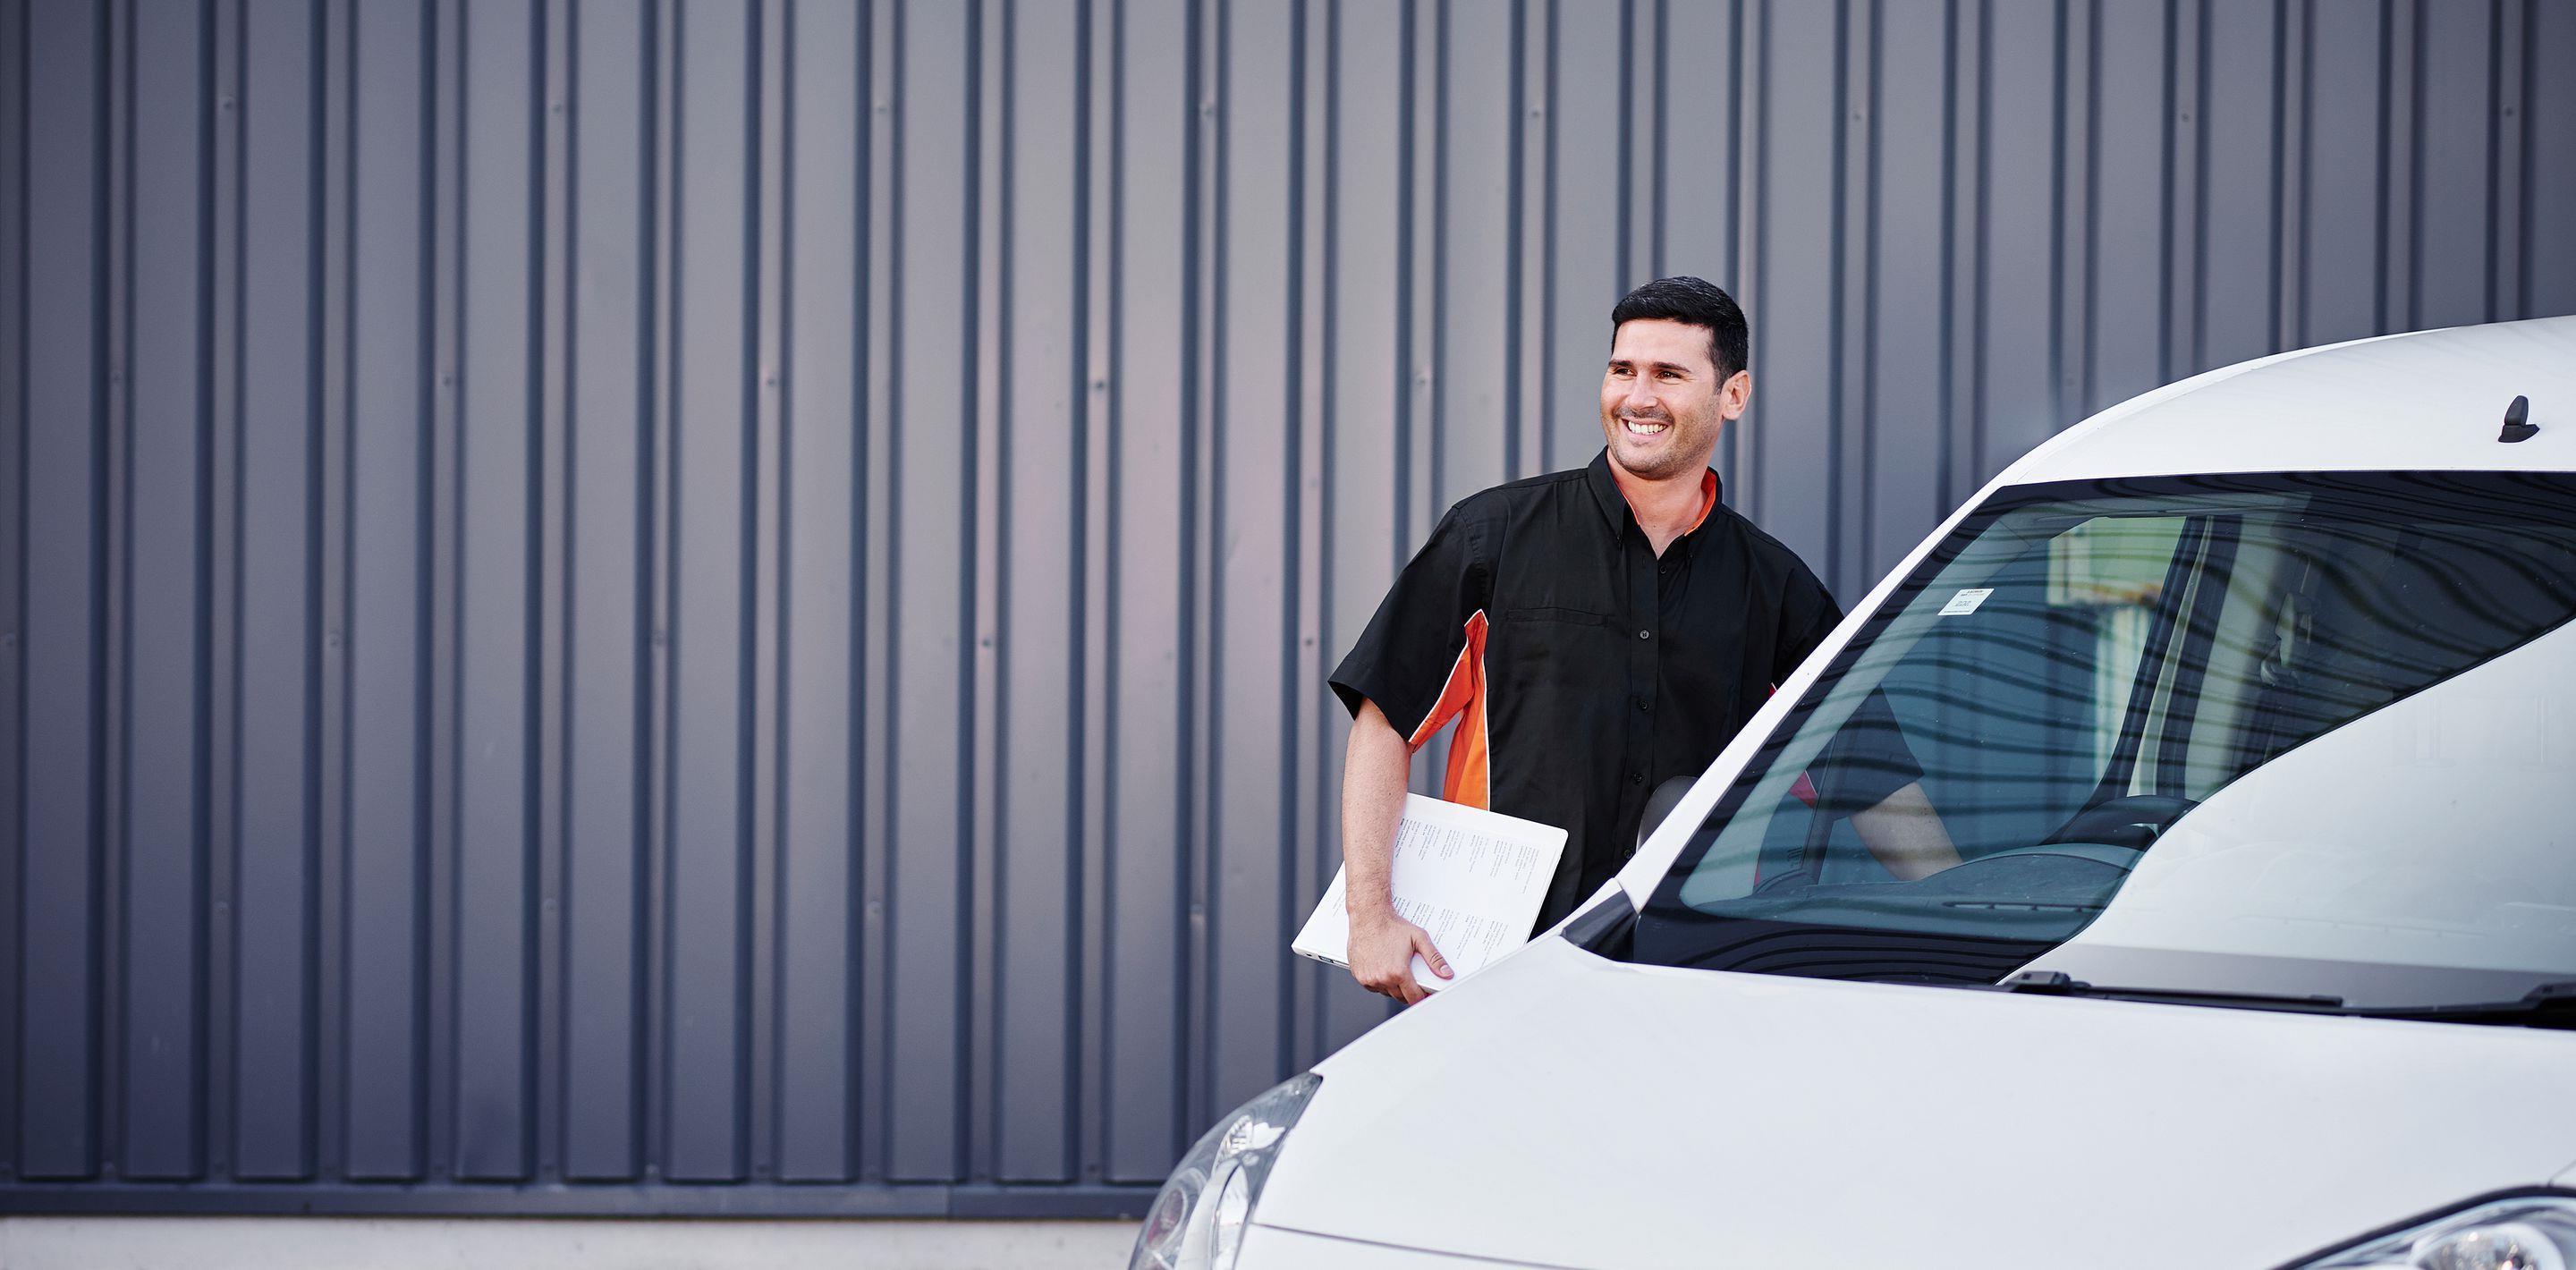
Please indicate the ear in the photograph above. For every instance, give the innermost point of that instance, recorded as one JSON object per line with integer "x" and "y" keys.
{"x": 1735, "y": 394}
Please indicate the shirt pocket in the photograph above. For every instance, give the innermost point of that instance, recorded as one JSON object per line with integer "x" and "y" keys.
{"x": 1570, "y": 617}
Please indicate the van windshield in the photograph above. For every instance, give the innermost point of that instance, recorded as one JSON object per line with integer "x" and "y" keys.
{"x": 2043, "y": 706}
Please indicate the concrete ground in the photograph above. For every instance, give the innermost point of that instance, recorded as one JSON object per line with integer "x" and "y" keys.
{"x": 351, "y": 1243}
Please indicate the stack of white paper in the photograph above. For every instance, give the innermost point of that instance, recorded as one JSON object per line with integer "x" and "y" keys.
{"x": 1473, "y": 878}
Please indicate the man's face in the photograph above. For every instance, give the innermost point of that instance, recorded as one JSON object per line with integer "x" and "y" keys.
{"x": 1662, "y": 404}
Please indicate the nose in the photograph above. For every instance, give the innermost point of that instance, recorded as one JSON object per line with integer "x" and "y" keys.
{"x": 1641, "y": 395}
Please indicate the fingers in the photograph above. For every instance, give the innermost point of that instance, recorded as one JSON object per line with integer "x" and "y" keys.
{"x": 1386, "y": 982}
{"x": 1400, "y": 987}
{"x": 1375, "y": 979}
{"x": 1422, "y": 944}
{"x": 1388, "y": 971}
{"x": 1403, "y": 988}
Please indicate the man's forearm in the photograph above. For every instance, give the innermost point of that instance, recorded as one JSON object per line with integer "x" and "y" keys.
{"x": 1906, "y": 834}
{"x": 1373, "y": 779}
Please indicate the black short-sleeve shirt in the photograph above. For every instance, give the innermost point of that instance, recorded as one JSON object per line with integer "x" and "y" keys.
{"x": 1581, "y": 668}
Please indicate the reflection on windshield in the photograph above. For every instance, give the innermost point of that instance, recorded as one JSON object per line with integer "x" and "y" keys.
{"x": 2073, "y": 672}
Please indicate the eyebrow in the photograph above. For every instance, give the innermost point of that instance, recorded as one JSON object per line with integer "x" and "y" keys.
{"x": 1625, "y": 361}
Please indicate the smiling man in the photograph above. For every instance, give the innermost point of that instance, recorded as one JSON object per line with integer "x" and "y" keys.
{"x": 1593, "y": 633}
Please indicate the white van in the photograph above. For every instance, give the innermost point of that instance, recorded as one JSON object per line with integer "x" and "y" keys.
{"x": 2251, "y": 707}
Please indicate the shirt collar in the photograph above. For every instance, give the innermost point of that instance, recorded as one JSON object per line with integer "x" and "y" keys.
{"x": 1614, "y": 505}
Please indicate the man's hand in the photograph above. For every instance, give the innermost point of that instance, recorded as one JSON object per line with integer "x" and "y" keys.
{"x": 1382, "y": 950}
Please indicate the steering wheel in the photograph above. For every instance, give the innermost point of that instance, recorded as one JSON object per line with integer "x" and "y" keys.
{"x": 2131, "y": 821}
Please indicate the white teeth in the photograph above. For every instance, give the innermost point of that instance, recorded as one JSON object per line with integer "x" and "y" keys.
{"x": 1637, "y": 428}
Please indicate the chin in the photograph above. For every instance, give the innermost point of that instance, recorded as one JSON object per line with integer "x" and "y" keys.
{"x": 1653, "y": 465}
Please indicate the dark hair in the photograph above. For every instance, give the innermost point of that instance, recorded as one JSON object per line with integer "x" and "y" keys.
{"x": 1697, "y": 302}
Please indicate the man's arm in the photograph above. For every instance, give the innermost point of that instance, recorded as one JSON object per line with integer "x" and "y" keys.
{"x": 1906, "y": 834}
{"x": 1373, "y": 776}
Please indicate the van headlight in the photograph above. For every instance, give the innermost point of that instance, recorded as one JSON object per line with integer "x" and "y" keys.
{"x": 2526, "y": 1232}
{"x": 1198, "y": 1219}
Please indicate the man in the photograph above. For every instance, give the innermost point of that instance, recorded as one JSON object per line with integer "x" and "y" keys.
{"x": 1593, "y": 632}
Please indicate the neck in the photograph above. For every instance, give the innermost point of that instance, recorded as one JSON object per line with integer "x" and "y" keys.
{"x": 1664, "y": 508}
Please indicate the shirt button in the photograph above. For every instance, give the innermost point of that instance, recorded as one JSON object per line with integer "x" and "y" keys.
{"x": 1644, "y": 705}
{"x": 1636, "y": 778}
{"x": 1645, "y": 634}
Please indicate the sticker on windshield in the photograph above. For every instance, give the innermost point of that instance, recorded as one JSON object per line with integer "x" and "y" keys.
{"x": 1966, "y": 601}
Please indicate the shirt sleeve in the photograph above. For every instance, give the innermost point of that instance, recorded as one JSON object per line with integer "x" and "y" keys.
{"x": 1866, "y": 761}
{"x": 1417, "y": 642}
{"x": 1869, "y": 758}
{"x": 1807, "y": 615}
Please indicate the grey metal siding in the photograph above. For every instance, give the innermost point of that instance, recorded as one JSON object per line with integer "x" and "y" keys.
{"x": 721, "y": 606}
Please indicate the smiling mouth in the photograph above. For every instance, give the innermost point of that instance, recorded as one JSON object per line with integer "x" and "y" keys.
{"x": 1645, "y": 428}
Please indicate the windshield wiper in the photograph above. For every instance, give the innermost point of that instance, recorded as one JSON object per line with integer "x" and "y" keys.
{"x": 2551, "y": 1005}
{"x": 2057, "y": 983}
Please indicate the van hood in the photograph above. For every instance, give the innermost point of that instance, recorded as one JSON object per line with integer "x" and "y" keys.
{"x": 1565, "y": 1110}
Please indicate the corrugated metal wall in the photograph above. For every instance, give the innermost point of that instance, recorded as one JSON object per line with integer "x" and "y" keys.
{"x": 604, "y": 597}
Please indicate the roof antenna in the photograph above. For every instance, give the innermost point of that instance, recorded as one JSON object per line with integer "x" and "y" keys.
{"x": 2514, "y": 427}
